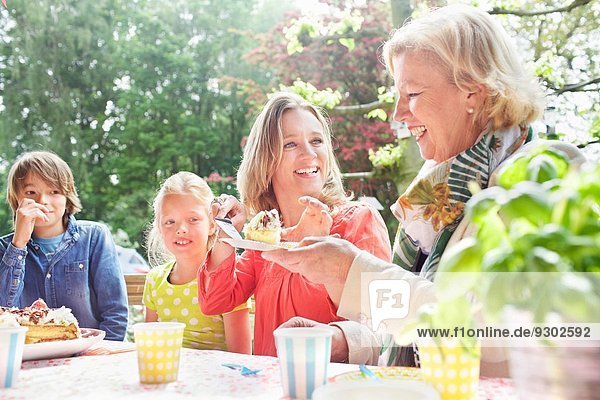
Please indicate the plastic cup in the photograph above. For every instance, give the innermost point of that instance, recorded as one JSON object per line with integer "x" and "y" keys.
{"x": 12, "y": 341}
{"x": 158, "y": 347}
{"x": 451, "y": 368}
{"x": 304, "y": 355}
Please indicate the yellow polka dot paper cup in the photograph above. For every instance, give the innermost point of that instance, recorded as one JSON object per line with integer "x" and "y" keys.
{"x": 158, "y": 347}
{"x": 451, "y": 368}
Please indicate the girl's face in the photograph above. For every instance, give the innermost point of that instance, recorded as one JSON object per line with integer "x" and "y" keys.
{"x": 303, "y": 167}
{"x": 185, "y": 224}
{"x": 51, "y": 197}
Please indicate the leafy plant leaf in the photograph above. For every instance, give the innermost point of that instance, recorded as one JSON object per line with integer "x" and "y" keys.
{"x": 378, "y": 113}
{"x": 348, "y": 43}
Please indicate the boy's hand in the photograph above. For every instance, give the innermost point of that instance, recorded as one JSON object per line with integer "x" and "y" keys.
{"x": 25, "y": 218}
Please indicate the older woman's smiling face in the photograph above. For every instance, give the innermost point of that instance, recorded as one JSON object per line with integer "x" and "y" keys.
{"x": 437, "y": 112}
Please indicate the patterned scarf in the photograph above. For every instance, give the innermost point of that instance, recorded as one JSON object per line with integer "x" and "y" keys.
{"x": 433, "y": 205}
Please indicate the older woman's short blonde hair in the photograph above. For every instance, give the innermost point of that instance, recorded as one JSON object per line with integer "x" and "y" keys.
{"x": 473, "y": 49}
{"x": 264, "y": 150}
{"x": 182, "y": 183}
{"x": 51, "y": 169}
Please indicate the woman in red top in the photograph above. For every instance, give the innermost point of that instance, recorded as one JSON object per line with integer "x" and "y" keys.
{"x": 289, "y": 165}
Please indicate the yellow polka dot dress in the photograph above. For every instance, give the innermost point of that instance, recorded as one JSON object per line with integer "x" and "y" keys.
{"x": 179, "y": 303}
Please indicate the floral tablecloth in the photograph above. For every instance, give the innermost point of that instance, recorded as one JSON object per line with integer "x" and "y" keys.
{"x": 201, "y": 376}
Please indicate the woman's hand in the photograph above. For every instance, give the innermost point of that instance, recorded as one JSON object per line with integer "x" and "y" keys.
{"x": 26, "y": 215}
{"x": 224, "y": 206}
{"x": 314, "y": 221}
{"x": 227, "y": 206}
{"x": 339, "y": 344}
{"x": 324, "y": 260}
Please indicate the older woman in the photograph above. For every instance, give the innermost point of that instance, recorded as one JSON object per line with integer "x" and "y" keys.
{"x": 467, "y": 100}
{"x": 288, "y": 165}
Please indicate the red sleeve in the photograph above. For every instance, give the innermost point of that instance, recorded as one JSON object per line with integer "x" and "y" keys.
{"x": 230, "y": 285}
{"x": 363, "y": 226}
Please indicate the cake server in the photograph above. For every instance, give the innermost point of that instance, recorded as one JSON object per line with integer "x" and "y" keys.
{"x": 227, "y": 226}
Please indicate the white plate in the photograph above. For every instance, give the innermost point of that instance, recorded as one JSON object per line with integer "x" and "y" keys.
{"x": 259, "y": 246}
{"x": 401, "y": 389}
{"x": 63, "y": 348}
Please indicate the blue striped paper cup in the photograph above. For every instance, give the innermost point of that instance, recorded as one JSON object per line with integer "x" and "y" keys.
{"x": 12, "y": 341}
{"x": 304, "y": 355}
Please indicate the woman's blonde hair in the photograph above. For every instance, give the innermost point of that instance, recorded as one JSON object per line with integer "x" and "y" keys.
{"x": 51, "y": 169}
{"x": 472, "y": 48}
{"x": 264, "y": 150}
{"x": 182, "y": 183}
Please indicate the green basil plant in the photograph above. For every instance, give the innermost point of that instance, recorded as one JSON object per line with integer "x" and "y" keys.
{"x": 541, "y": 224}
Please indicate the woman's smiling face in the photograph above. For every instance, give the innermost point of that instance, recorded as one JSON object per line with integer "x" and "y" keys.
{"x": 435, "y": 110}
{"x": 303, "y": 167}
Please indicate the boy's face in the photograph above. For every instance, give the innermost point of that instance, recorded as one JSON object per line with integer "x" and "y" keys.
{"x": 49, "y": 196}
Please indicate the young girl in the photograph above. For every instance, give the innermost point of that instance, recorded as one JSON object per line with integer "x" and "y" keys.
{"x": 289, "y": 165}
{"x": 180, "y": 238}
{"x": 52, "y": 256}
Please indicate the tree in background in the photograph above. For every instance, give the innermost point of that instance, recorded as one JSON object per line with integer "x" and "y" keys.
{"x": 336, "y": 50}
{"x": 55, "y": 68}
{"x": 128, "y": 93}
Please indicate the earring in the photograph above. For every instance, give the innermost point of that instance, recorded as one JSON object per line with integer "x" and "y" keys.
{"x": 470, "y": 110}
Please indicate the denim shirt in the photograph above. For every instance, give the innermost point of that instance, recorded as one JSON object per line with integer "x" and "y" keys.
{"x": 84, "y": 275}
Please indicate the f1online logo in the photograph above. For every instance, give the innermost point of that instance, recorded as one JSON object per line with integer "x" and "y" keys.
{"x": 388, "y": 299}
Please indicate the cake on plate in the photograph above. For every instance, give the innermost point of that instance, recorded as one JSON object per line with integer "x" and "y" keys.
{"x": 264, "y": 227}
{"x": 45, "y": 324}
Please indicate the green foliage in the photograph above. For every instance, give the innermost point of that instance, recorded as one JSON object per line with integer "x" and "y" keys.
{"x": 539, "y": 165}
{"x": 327, "y": 98}
{"x": 562, "y": 48}
{"x": 543, "y": 225}
{"x": 128, "y": 93}
{"x": 377, "y": 113}
{"x": 595, "y": 128}
{"x": 385, "y": 95}
{"x": 388, "y": 157}
{"x": 347, "y": 43}
{"x": 300, "y": 32}
{"x": 326, "y": 63}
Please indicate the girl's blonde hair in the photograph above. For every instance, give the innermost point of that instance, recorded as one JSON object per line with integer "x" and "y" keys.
{"x": 182, "y": 183}
{"x": 51, "y": 169}
{"x": 472, "y": 48}
{"x": 264, "y": 150}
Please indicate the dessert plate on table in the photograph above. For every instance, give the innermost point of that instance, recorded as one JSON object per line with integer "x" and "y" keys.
{"x": 385, "y": 383}
{"x": 383, "y": 373}
{"x": 62, "y": 348}
{"x": 259, "y": 246}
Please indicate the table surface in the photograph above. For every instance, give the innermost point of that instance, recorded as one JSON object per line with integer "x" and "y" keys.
{"x": 109, "y": 370}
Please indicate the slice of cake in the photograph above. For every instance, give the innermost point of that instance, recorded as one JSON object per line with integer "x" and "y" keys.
{"x": 264, "y": 227}
{"x": 45, "y": 324}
